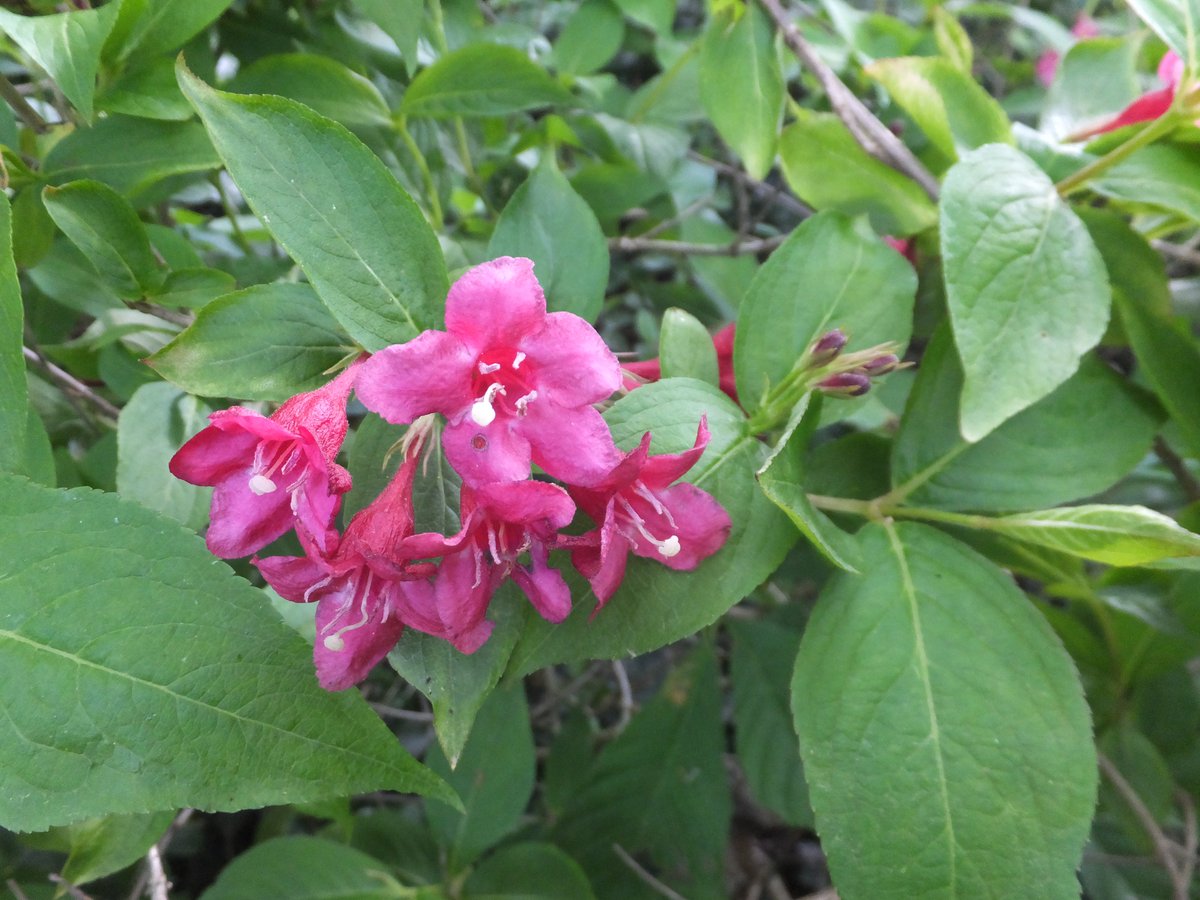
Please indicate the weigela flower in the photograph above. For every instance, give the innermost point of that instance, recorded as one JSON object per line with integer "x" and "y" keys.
{"x": 271, "y": 472}
{"x": 635, "y": 374}
{"x": 357, "y": 583}
{"x": 501, "y": 521}
{"x": 1150, "y": 105}
{"x": 514, "y": 382}
{"x": 641, "y": 510}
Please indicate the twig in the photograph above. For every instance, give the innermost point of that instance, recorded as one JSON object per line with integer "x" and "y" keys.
{"x": 737, "y": 248}
{"x": 687, "y": 212}
{"x": 626, "y": 693}
{"x": 173, "y": 316}
{"x": 17, "y": 893}
{"x": 871, "y": 134}
{"x": 410, "y": 715}
{"x": 69, "y": 888}
{"x": 1180, "y": 252}
{"x": 1164, "y": 849}
{"x": 1191, "y": 840}
{"x": 762, "y": 188}
{"x": 655, "y": 885}
{"x": 1178, "y": 468}
{"x": 71, "y": 384}
{"x": 159, "y": 885}
{"x": 21, "y": 107}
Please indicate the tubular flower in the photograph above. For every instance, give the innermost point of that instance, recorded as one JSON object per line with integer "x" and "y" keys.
{"x": 271, "y": 472}
{"x": 641, "y": 511}
{"x": 356, "y": 582}
{"x": 514, "y": 382}
{"x": 500, "y": 522}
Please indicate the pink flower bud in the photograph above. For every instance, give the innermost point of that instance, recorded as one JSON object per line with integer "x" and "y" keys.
{"x": 827, "y": 347}
{"x": 845, "y": 384}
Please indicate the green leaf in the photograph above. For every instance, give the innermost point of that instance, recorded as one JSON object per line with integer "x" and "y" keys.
{"x": 1027, "y": 290}
{"x": 591, "y": 37}
{"x": 66, "y": 275}
{"x": 331, "y": 203}
{"x": 741, "y": 85}
{"x": 100, "y": 847}
{"x": 481, "y": 80}
{"x": 657, "y": 16}
{"x": 1116, "y": 535}
{"x": 1162, "y": 176}
{"x": 1095, "y": 80}
{"x": 847, "y": 280}
{"x": 14, "y": 402}
{"x": 312, "y": 869}
{"x": 546, "y": 221}
{"x": 1169, "y": 360}
{"x": 956, "y": 114}
{"x": 67, "y": 45}
{"x": 658, "y": 789}
{"x": 150, "y": 92}
{"x": 685, "y": 348}
{"x": 400, "y": 20}
{"x": 105, "y": 227}
{"x": 762, "y": 659}
{"x": 1136, "y": 271}
{"x": 828, "y": 169}
{"x": 32, "y": 228}
{"x": 374, "y": 460}
{"x": 152, "y": 427}
{"x": 528, "y": 872}
{"x": 1177, "y": 22}
{"x": 130, "y": 155}
{"x": 267, "y": 342}
{"x": 223, "y": 714}
{"x": 155, "y": 27}
{"x": 494, "y": 777}
{"x": 193, "y": 288}
{"x": 908, "y": 683}
{"x": 953, "y": 40}
{"x": 323, "y": 84}
{"x": 782, "y": 480}
{"x": 656, "y": 605}
{"x": 456, "y": 684}
{"x": 1060, "y": 449}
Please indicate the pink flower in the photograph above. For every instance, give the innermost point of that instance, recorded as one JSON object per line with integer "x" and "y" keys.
{"x": 635, "y": 374}
{"x": 514, "y": 382}
{"x": 356, "y": 582}
{"x": 1046, "y": 66}
{"x": 1147, "y": 107}
{"x": 270, "y": 472}
{"x": 641, "y": 511}
{"x": 500, "y": 522}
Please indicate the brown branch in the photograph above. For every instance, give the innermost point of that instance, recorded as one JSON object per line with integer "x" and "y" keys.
{"x": 1178, "y": 468}
{"x": 737, "y": 248}
{"x": 1164, "y": 848}
{"x": 762, "y": 188}
{"x": 653, "y": 883}
{"x": 71, "y": 384}
{"x": 871, "y": 134}
{"x": 29, "y": 115}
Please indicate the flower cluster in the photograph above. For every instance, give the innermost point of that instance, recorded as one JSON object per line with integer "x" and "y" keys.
{"x": 517, "y": 387}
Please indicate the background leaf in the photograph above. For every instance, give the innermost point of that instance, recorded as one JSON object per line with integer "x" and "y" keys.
{"x": 359, "y": 238}
{"x": 922, "y": 736}
{"x": 267, "y": 342}
{"x": 1058, "y": 450}
{"x": 224, "y": 714}
{"x": 481, "y": 80}
{"x": 1117, "y": 535}
{"x": 531, "y": 872}
{"x": 100, "y": 847}
{"x": 1026, "y": 289}
{"x": 312, "y": 868}
{"x": 591, "y": 37}
{"x": 549, "y": 223}
{"x": 14, "y": 406}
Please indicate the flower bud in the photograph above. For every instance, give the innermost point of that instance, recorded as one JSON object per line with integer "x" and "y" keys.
{"x": 845, "y": 384}
{"x": 826, "y": 348}
{"x": 881, "y": 365}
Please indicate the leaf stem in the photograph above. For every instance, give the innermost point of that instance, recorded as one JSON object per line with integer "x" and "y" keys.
{"x": 431, "y": 192}
{"x": 231, "y": 214}
{"x": 736, "y": 248}
{"x": 1148, "y": 135}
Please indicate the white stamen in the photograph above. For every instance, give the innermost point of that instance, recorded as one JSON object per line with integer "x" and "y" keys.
{"x": 261, "y": 484}
{"x": 518, "y": 359}
{"x": 666, "y": 548}
{"x": 482, "y": 412}
{"x": 488, "y": 368}
{"x": 523, "y": 402}
{"x": 334, "y": 641}
{"x": 648, "y": 495}
{"x": 491, "y": 532}
{"x": 316, "y": 587}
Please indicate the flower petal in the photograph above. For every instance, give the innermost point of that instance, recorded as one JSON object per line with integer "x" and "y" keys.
{"x": 543, "y": 507}
{"x": 572, "y": 445}
{"x": 496, "y": 304}
{"x": 574, "y": 365}
{"x": 213, "y": 455}
{"x": 362, "y": 647}
{"x": 292, "y": 577}
{"x": 666, "y": 468}
{"x": 243, "y": 522}
{"x": 431, "y": 373}
{"x": 544, "y": 586}
{"x": 698, "y": 521}
{"x": 482, "y": 454}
